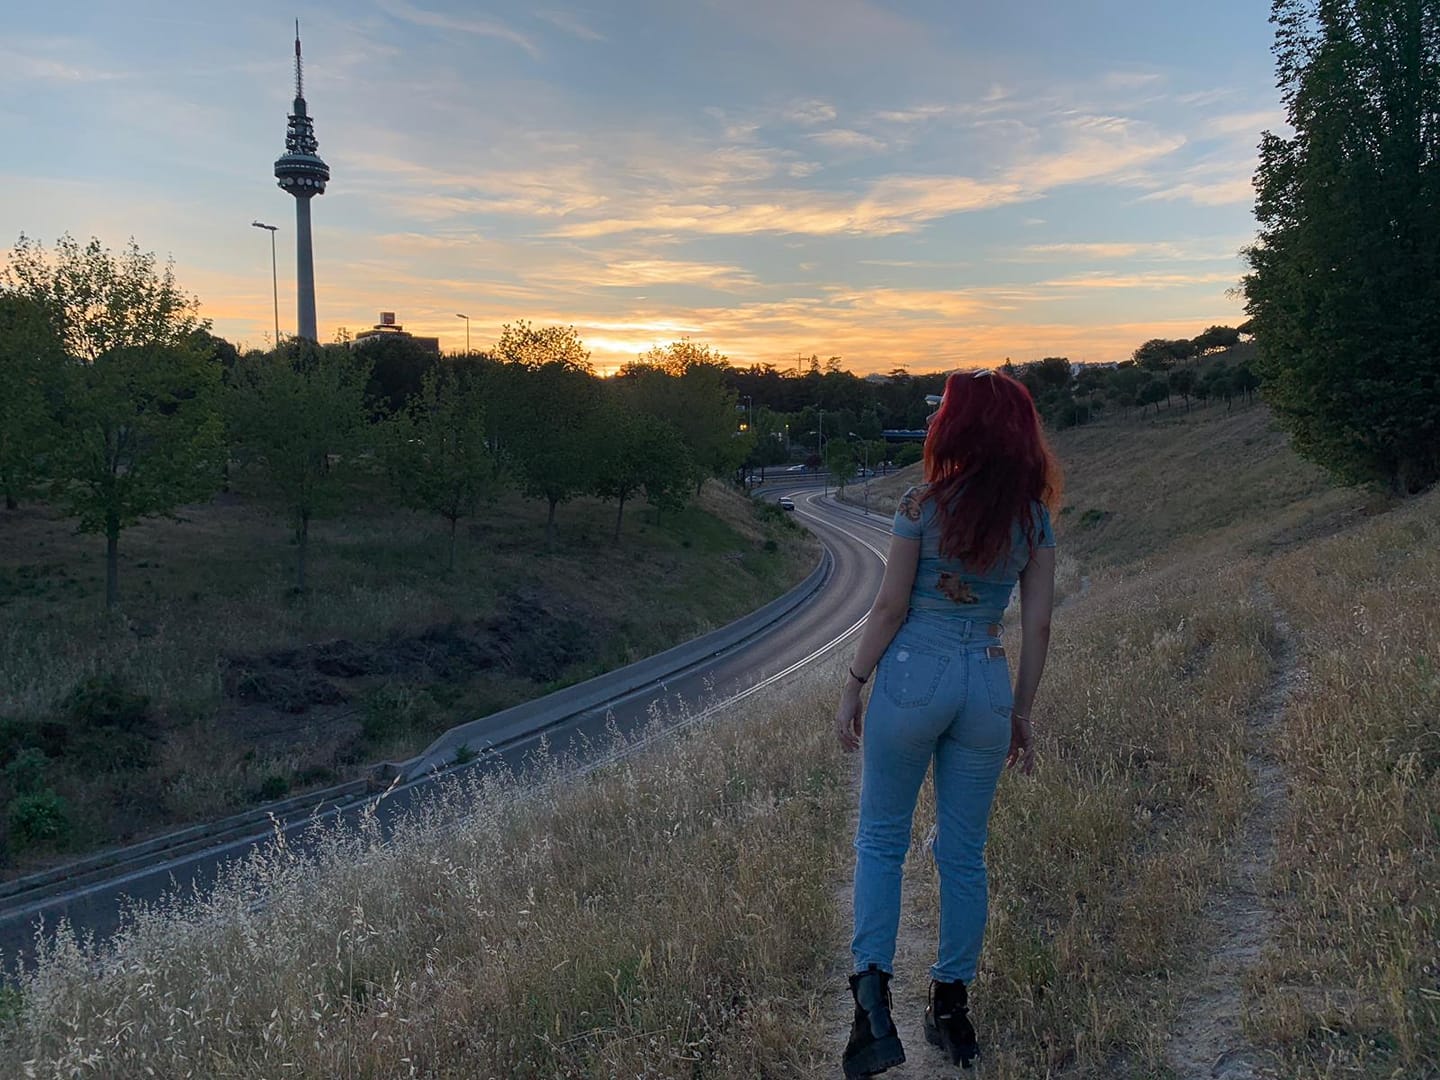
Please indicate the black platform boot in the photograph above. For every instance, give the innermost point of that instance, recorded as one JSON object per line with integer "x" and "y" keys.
{"x": 874, "y": 1043}
{"x": 947, "y": 1023}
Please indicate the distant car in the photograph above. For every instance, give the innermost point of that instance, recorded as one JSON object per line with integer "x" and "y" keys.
{"x": 796, "y": 468}
{"x": 787, "y": 504}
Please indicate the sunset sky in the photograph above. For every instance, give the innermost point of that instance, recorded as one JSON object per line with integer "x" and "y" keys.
{"x": 928, "y": 184}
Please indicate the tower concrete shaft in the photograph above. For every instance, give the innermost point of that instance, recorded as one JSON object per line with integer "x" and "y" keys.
{"x": 302, "y": 173}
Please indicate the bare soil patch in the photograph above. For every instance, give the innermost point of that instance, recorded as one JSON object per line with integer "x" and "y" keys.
{"x": 1209, "y": 1040}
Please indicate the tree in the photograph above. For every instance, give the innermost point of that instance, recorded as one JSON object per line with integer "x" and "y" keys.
{"x": 1155, "y": 355}
{"x": 1216, "y": 338}
{"x": 1182, "y": 382}
{"x": 1217, "y": 382}
{"x": 550, "y": 430}
{"x": 437, "y": 451}
{"x": 1152, "y": 393}
{"x": 840, "y": 461}
{"x": 138, "y": 431}
{"x": 296, "y": 415}
{"x": 639, "y": 453}
{"x": 99, "y": 302}
{"x": 529, "y": 346}
{"x": 1343, "y": 288}
{"x": 398, "y": 366}
{"x": 686, "y": 385}
{"x": 31, "y": 366}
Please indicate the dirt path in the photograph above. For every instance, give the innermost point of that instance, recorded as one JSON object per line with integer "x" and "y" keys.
{"x": 914, "y": 953}
{"x": 1209, "y": 1040}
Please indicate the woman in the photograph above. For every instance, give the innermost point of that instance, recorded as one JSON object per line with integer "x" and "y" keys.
{"x": 961, "y": 541}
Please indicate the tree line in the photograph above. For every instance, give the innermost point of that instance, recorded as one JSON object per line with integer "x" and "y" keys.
{"x": 119, "y": 405}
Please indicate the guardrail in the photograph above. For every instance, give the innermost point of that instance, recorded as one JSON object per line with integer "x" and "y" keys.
{"x": 492, "y": 732}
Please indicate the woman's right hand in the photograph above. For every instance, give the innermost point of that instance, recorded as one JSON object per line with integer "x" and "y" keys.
{"x": 1022, "y": 744}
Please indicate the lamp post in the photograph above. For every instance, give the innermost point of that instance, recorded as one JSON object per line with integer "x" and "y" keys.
{"x": 820, "y": 442}
{"x": 865, "y": 449}
{"x": 467, "y": 332}
{"x": 274, "y": 279}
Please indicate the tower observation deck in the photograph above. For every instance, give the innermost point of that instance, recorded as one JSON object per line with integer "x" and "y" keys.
{"x": 302, "y": 173}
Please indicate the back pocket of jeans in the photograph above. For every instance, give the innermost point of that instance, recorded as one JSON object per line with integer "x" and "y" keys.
{"x": 997, "y": 682}
{"x": 910, "y": 676}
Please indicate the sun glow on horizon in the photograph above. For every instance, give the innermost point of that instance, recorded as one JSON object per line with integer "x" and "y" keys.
{"x": 940, "y": 199}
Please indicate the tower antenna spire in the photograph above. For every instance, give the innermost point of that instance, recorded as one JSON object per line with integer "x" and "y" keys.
{"x": 299, "y": 70}
{"x": 301, "y": 172}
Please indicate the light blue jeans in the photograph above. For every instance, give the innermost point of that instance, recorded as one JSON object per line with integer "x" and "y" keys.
{"x": 937, "y": 696}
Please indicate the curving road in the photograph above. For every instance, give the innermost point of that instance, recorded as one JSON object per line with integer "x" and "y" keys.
{"x": 857, "y": 544}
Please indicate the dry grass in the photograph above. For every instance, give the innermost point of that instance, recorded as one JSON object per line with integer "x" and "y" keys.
{"x": 681, "y": 913}
{"x": 1352, "y": 986}
{"x": 213, "y": 590}
{"x": 654, "y": 920}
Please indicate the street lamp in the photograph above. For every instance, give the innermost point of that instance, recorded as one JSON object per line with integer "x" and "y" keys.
{"x": 865, "y": 449}
{"x": 274, "y": 280}
{"x": 467, "y": 332}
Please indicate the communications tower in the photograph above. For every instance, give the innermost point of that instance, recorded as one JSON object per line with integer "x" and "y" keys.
{"x": 301, "y": 172}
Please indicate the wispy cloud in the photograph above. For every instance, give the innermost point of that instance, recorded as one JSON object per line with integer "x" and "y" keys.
{"x": 1141, "y": 281}
{"x": 1246, "y": 124}
{"x": 1159, "y": 250}
{"x": 846, "y": 139}
{"x": 1228, "y": 191}
{"x": 465, "y": 24}
{"x": 571, "y": 24}
{"x": 810, "y": 112}
{"x": 25, "y": 64}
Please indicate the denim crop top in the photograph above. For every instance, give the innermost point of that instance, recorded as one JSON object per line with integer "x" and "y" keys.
{"x": 947, "y": 585}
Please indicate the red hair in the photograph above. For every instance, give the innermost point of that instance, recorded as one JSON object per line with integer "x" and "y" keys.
{"x": 986, "y": 463}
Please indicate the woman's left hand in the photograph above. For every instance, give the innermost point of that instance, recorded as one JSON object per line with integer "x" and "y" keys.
{"x": 849, "y": 718}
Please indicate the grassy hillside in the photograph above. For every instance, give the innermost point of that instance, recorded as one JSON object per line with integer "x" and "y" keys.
{"x": 1233, "y": 823}
{"x": 1146, "y": 487}
{"x": 218, "y": 687}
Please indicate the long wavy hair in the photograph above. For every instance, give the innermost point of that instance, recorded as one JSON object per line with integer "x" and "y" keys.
{"x": 987, "y": 462}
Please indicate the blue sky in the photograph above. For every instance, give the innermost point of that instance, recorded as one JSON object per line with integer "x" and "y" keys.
{"x": 917, "y": 184}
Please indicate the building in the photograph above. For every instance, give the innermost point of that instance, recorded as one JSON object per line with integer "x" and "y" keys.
{"x": 387, "y": 329}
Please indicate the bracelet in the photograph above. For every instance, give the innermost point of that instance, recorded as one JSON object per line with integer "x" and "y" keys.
{"x": 857, "y": 678}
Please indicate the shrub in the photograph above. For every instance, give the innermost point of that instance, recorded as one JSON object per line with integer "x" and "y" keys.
{"x": 274, "y": 787}
{"x": 390, "y": 711}
{"x": 40, "y": 817}
{"x": 105, "y": 701}
{"x": 908, "y": 454}
{"x": 26, "y": 774}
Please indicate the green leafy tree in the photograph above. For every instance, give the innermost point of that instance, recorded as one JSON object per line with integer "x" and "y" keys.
{"x": 438, "y": 452}
{"x": 1343, "y": 288}
{"x": 639, "y": 454}
{"x": 529, "y": 346}
{"x": 1152, "y": 393}
{"x": 686, "y": 384}
{"x": 1154, "y": 355}
{"x": 840, "y": 461}
{"x": 1216, "y": 338}
{"x": 398, "y": 366}
{"x": 31, "y": 369}
{"x": 1183, "y": 382}
{"x": 100, "y": 302}
{"x": 550, "y": 427}
{"x": 296, "y": 415}
{"x": 139, "y": 432}
{"x": 142, "y": 436}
